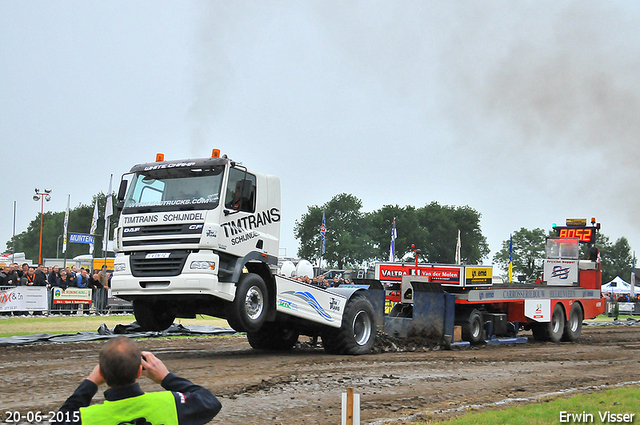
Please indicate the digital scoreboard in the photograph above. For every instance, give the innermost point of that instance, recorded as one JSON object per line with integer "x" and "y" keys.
{"x": 578, "y": 229}
{"x": 583, "y": 234}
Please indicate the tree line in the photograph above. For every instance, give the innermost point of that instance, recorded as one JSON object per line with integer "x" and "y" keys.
{"x": 354, "y": 237}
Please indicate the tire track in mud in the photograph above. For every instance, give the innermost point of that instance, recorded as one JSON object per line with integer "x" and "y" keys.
{"x": 304, "y": 386}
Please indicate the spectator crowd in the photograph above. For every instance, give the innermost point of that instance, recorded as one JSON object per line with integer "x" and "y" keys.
{"x": 63, "y": 278}
{"x": 321, "y": 281}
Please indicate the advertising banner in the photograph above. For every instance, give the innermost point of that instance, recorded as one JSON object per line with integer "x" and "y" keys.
{"x": 71, "y": 296}
{"x": 393, "y": 272}
{"x": 538, "y": 310}
{"x": 23, "y": 298}
{"x": 561, "y": 272}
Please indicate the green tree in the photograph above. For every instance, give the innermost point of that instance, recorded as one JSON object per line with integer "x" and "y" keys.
{"x": 616, "y": 258}
{"x": 346, "y": 244}
{"x": 528, "y": 253}
{"x": 380, "y": 225}
{"x": 439, "y": 235}
{"x": 53, "y": 228}
{"x": 433, "y": 229}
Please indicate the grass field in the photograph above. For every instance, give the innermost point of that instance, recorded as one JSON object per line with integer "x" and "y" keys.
{"x": 12, "y": 326}
{"x": 598, "y": 407}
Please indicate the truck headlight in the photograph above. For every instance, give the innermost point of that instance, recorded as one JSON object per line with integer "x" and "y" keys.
{"x": 202, "y": 265}
{"x": 119, "y": 267}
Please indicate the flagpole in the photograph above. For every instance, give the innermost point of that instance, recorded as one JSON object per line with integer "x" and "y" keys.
{"x": 66, "y": 226}
{"x": 510, "y": 258}
{"x": 92, "y": 231}
{"x": 323, "y": 232}
{"x": 108, "y": 211}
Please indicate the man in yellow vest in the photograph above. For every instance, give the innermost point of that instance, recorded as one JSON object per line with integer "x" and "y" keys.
{"x": 121, "y": 364}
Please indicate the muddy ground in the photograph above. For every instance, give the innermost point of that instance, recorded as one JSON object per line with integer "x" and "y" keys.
{"x": 304, "y": 386}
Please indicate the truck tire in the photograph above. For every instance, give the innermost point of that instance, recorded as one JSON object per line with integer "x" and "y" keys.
{"x": 573, "y": 325}
{"x": 153, "y": 315}
{"x": 357, "y": 334}
{"x": 553, "y": 330}
{"x": 472, "y": 327}
{"x": 249, "y": 309}
{"x": 273, "y": 336}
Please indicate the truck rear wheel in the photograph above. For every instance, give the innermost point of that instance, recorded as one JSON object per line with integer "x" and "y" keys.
{"x": 248, "y": 311}
{"x": 553, "y": 330}
{"x": 357, "y": 334}
{"x": 472, "y": 327}
{"x": 153, "y": 315}
{"x": 273, "y": 336}
{"x": 573, "y": 325}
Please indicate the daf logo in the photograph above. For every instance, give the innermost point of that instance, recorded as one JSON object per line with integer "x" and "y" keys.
{"x": 195, "y": 227}
{"x": 131, "y": 229}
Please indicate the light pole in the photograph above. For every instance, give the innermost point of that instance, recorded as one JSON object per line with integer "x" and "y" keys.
{"x": 41, "y": 196}
{"x": 58, "y": 246}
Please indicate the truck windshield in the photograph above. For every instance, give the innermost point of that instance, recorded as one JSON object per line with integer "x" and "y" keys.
{"x": 174, "y": 189}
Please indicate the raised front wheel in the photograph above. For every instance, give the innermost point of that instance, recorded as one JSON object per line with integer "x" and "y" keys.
{"x": 248, "y": 311}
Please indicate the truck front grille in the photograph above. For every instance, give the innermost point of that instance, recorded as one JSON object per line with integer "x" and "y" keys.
{"x": 141, "y": 266}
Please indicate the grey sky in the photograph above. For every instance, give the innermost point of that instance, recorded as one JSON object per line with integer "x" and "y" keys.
{"x": 526, "y": 111}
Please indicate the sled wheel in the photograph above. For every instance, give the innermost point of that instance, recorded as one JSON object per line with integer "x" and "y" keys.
{"x": 248, "y": 311}
{"x": 573, "y": 325}
{"x": 358, "y": 331}
{"x": 153, "y": 315}
{"x": 273, "y": 336}
{"x": 472, "y": 327}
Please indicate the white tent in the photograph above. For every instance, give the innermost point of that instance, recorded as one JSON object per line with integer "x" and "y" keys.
{"x": 619, "y": 286}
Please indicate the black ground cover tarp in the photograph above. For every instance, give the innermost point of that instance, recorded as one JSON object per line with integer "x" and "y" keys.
{"x": 132, "y": 330}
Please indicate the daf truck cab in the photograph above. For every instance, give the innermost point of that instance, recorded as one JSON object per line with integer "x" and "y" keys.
{"x": 197, "y": 236}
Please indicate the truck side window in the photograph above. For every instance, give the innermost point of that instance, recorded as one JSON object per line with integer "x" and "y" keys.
{"x": 241, "y": 191}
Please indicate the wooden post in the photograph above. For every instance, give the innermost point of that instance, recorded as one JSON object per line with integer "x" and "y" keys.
{"x": 349, "y": 406}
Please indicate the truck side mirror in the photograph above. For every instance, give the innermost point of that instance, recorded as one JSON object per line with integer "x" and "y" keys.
{"x": 122, "y": 191}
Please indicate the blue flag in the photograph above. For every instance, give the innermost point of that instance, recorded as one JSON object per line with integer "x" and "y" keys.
{"x": 323, "y": 231}
{"x": 510, "y": 258}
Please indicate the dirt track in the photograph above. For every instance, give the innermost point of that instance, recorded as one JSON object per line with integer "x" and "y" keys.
{"x": 304, "y": 385}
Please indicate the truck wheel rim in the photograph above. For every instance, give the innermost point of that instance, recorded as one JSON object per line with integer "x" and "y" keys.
{"x": 555, "y": 324}
{"x": 574, "y": 323}
{"x": 476, "y": 329}
{"x": 254, "y": 303}
{"x": 361, "y": 327}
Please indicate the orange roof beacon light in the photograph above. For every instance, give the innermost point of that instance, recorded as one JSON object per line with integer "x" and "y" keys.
{"x": 159, "y": 157}
{"x": 215, "y": 153}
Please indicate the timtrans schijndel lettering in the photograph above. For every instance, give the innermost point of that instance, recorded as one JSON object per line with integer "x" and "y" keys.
{"x": 250, "y": 222}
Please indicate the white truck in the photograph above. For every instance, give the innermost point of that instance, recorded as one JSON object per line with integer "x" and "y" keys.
{"x": 201, "y": 236}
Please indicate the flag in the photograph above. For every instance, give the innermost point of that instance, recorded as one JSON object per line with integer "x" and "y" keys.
{"x": 323, "y": 231}
{"x": 458, "y": 246}
{"x": 633, "y": 275}
{"x": 94, "y": 225}
{"x": 510, "y": 258}
{"x": 392, "y": 247}
{"x": 108, "y": 212}
{"x": 66, "y": 225}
